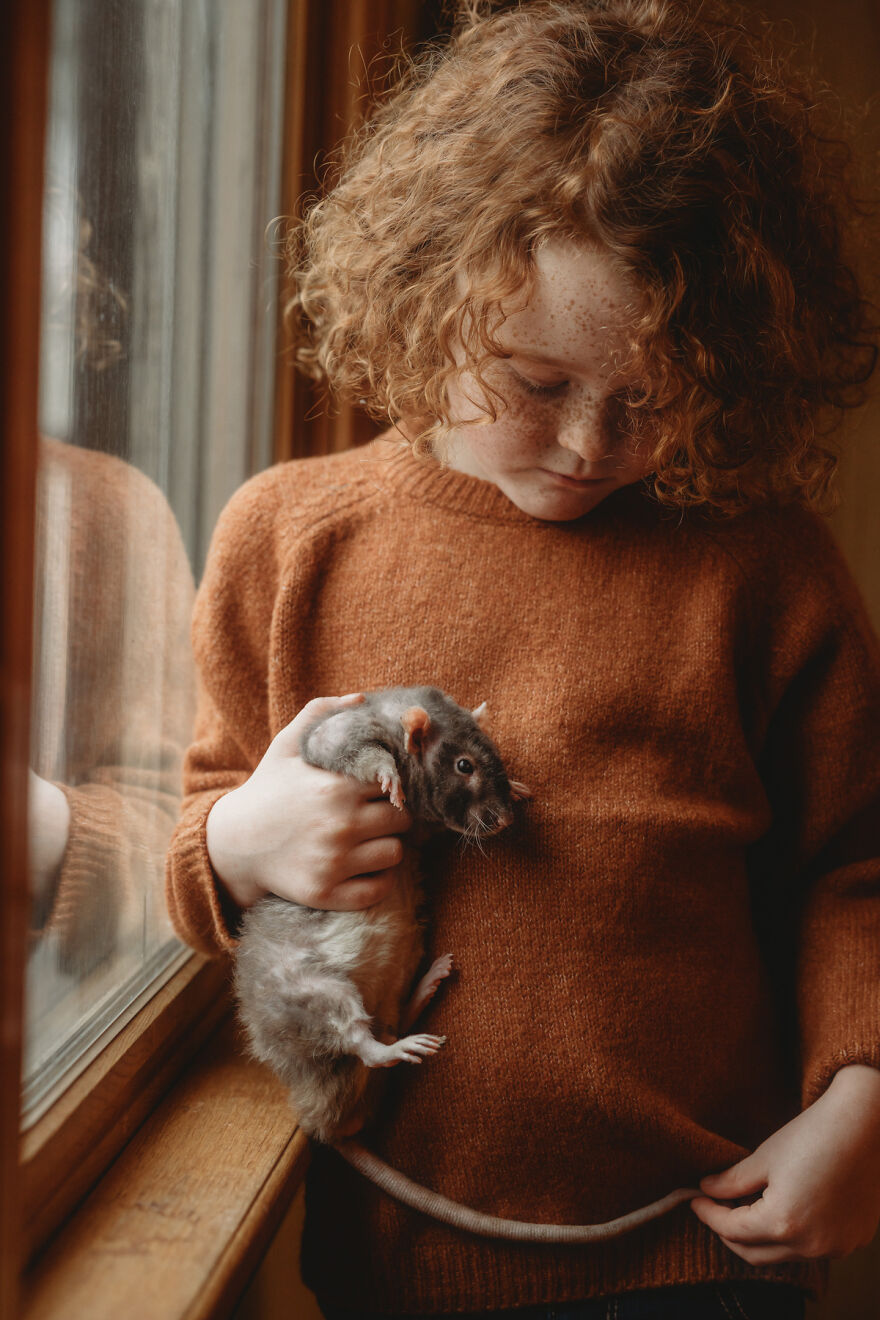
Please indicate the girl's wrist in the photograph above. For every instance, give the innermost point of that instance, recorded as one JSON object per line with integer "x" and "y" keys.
{"x": 228, "y": 865}
{"x": 860, "y": 1081}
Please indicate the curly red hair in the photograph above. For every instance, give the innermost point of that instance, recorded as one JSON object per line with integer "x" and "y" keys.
{"x": 675, "y": 137}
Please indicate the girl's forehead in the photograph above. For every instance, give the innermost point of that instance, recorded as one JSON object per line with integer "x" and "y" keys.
{"x": 583, "y": 304}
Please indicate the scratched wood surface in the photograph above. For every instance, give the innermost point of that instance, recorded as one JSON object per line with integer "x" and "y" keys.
{"x": 65, "y": 1153}
{"x": 179, "y": 1223}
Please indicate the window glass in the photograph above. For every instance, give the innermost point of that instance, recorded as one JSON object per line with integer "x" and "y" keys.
{"x": 158, "y": 313}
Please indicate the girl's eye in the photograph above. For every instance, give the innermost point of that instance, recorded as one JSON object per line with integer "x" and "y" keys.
{"x": 535, "y": 387}
{"x": 464, "y": 766}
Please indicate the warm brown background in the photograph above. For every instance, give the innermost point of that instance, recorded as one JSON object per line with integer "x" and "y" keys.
{"x": 352, "y": 45}
{"x": 843, "y": 41}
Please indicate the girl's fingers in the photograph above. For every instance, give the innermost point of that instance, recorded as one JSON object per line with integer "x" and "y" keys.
{"x": 744, "y": 1224}
{"x": 378, "y": 817}
{"x": 742, "y": 1179}
{"x": 360, "y": 892}
{"x": 374, "y": 855}
{"x": 287, "y": 739}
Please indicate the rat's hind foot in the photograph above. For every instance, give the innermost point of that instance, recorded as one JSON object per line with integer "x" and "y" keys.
{"x": 427, "y": 988}
{"x": 437, "y": 972}
{"x": 412, "y": 1049}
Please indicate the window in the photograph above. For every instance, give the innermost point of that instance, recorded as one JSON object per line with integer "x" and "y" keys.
{"x": 162, "y": 176}
{"x": 160, "y": 385}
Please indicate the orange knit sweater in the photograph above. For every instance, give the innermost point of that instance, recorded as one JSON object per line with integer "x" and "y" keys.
{"x": 114, "y": 695}
{"x": 679, "y": 939}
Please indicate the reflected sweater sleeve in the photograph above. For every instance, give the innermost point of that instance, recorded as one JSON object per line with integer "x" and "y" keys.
{"x": 132, "y": 697}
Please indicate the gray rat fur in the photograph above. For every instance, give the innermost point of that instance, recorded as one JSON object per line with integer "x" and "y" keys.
{"x": 315, "y": 988}
{"x": 310, "y": 983}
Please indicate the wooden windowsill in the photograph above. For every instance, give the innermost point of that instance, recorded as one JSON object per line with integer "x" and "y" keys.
{"x": 180, "y": 1221}
{"x": 66, "y": 1152}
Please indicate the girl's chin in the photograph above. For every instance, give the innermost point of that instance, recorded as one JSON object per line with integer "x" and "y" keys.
{"x": 560, "y": 502}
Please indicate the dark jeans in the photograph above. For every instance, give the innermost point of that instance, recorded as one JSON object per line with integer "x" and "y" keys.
{"x": 704, "y": 1301}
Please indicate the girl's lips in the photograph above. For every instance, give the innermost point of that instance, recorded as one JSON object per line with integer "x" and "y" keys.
{"x": 575, "y": 481}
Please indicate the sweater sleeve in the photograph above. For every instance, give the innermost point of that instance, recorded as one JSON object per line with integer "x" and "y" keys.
{"x": 820, "y": 764}
{"x": 118, "y": 651}
{"x": 231, "y": 631}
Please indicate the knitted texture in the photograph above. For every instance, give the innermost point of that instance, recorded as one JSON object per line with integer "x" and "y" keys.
{"x": 679, "y": 939}
{"x": 114, "y": 695}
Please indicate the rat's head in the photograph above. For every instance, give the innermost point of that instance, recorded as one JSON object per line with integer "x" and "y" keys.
{"x": 455, "y": 775}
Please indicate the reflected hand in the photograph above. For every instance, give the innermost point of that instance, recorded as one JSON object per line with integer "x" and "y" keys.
{"x": 48, "y": 832}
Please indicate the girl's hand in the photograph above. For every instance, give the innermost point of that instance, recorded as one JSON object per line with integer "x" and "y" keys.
{"x": 308, "y": 835}
{"x": 48, "y": 832}
{"x": 817, "y": 1180}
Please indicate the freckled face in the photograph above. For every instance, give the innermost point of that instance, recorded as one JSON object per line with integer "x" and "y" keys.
{"x": 558, "y": 447}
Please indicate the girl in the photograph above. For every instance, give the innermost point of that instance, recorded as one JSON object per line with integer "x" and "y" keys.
{"x": 586, "y": 259}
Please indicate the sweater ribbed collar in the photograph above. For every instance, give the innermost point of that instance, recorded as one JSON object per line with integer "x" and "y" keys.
{"x": 427, "y": 481}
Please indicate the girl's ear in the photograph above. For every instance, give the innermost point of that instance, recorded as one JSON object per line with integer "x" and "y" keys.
{"x": 480, "y": 714}
{"x": 417, "y": 724}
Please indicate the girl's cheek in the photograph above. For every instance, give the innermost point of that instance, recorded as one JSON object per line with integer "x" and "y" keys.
{"x": 535, "y": 426}
{"x": 527, "y": 416}
{"x": 517, "y": 435}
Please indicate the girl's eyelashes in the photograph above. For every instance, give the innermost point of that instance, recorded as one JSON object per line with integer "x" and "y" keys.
{"x": 535, "y": 387}
{"x": 627, "y": 395}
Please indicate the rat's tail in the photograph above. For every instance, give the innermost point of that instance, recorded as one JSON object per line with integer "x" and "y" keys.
{"x": 461, "y": 1216}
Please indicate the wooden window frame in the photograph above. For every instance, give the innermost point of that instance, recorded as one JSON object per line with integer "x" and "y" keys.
{"x": 48, "y": 1170}
{"x": 23, "y": 72}
{"x": 66, "y": 1151}
{"x": 63, "y": 1154}
{"x": 58, "y": 1176}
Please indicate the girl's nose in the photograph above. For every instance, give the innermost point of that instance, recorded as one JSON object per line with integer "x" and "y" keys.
{"x": 584, "y": 429}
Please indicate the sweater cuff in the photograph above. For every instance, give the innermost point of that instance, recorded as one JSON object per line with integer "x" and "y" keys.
{"x": 819, "y": 1075}
{"x": 201, "y": 910}
{"x": 839, "y": 966}
{"x": 90, "y": 890}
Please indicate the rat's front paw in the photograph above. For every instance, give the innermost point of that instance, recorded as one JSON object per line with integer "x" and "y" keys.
{"x": 390, "y": 784}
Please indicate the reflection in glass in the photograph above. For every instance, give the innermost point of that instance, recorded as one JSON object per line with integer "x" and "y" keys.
{"x": 158, "y": 313}
{"x": 113, "y": 697}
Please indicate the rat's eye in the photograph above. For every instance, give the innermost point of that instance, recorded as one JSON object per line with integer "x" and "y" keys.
{"x": 464, "y": 766}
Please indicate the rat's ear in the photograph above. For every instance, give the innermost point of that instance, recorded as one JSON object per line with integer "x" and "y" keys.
{"x": 480, "y": 714}
{"x": 519, "y": 791}
{"x": 417, "y": 723}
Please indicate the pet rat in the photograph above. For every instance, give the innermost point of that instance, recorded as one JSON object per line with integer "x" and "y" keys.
{"x": 315, "y": 988}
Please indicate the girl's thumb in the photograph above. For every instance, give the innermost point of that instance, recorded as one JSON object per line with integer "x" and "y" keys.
{"x": 739, "y": 1180}
{"x": 287, "y": 740}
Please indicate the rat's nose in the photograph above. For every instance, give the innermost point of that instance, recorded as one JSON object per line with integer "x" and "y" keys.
{"x": 491, "y": 820}
{"x": 504, "y": 818}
